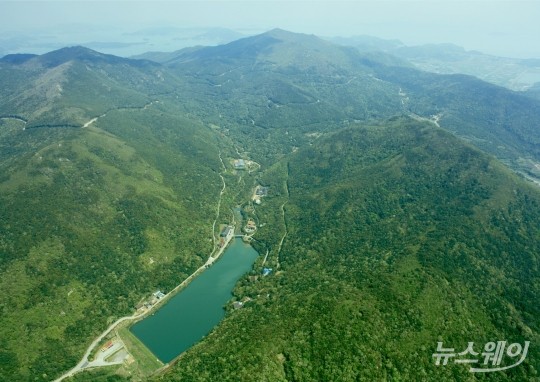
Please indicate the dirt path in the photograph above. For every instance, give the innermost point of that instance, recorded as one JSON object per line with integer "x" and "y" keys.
{"x": 119, "y": 108}
{"x": 15, "y": 118}
{"x": 218, "y": 206}
{"x": 434, "y": 118}
{"x": 93, "y": 120}
{"x": 265, "y": 257}
{"x": 84, "y": 363}
{"x": 284, "y": 218}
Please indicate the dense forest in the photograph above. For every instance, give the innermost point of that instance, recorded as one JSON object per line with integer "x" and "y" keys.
{"x": 399, "y": 237}
{"x": 92, "y": 221}
{"x": 397, "y": 216}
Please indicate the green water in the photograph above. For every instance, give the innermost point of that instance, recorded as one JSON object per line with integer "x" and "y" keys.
{"x": 193, "y": 312}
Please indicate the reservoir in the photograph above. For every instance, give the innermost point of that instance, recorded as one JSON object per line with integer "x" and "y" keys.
{"x": 195, "y": 310}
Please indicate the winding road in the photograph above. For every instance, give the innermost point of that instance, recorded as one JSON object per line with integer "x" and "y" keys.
{"x": 284, "y": 219}
{"x": 219, "y": 204}
{"x": 15, "y": 118}
{"x": 84, "y": 363}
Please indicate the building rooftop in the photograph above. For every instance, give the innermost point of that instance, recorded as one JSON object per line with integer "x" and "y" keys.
{"x": 239, "y": 164}
{"x": 225, "y": 231}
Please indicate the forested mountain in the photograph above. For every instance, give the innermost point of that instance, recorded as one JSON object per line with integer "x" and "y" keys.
{"x": 399, "y": 236}
{"x": 515, "y": 74}
{"x": 70, "y": 85}
{"x": 534, "y": 91}
{"x": 282, "y": 81}
{"x": 386, "y": 232}
{"x": 499, "y": 121}
{"x": 512, "y": 73}
{"x": 96, "y": 217}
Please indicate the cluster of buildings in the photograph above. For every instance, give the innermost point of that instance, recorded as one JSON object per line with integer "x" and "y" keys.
{"x": 159, "y": 294}
{"x": 244, "y": 164}
{"x": 260, "y": 192}
{"x": 250, "y": 227}
{"x": 226, "y": 234}
{"x": 240, "y": 304}
{"x": 147, "y": 304}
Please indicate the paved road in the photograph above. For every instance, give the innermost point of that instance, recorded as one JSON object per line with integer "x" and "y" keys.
{"x": 84, "y": 363}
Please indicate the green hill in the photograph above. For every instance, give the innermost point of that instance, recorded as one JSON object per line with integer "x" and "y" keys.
{"x": 96, "y": 218}
{"x": 386, "y": 234}
{"x": 512, "y": 73}
{"x": 399, "y": 236}
{"x": 69, "y": 86}
{"x": 280, "y": 82}
{"x": 499, "y": 121}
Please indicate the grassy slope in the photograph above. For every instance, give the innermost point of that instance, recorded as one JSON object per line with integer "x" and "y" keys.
{"x": 145, "y": 362}
{"x": 399, "y": 236}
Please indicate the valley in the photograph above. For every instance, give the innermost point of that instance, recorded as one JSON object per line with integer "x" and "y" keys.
{"x": 142, "y": 313}
{"x": 390, "y": 209}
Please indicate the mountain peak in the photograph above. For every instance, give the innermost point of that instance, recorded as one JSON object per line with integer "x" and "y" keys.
{"x": 67, "y": 54}
{"x": 292, "y": 47}
{"x": 285, "y": 35}
{"x": 75, "y": 53}
{"x": 278, "y": 32}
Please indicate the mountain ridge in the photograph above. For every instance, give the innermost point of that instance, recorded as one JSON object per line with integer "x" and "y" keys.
{"x": 281, "y": 53}
{"x": 74, "y": 53}
{"x": 377, "y": 225}
{"x": 391, "y": 229}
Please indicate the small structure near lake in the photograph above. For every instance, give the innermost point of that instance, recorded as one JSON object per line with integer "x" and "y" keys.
{"x": 250, "y": 226}
{"x": 239, "y": 164}
{"x": 226, "y": 234}
{"x": 259, "y": 193}
{"x": 226, "y": 231}
{"x": 159, "y": 294}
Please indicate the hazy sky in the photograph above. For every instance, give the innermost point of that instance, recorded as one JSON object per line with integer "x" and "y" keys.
{"x": 510, "y": 28}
